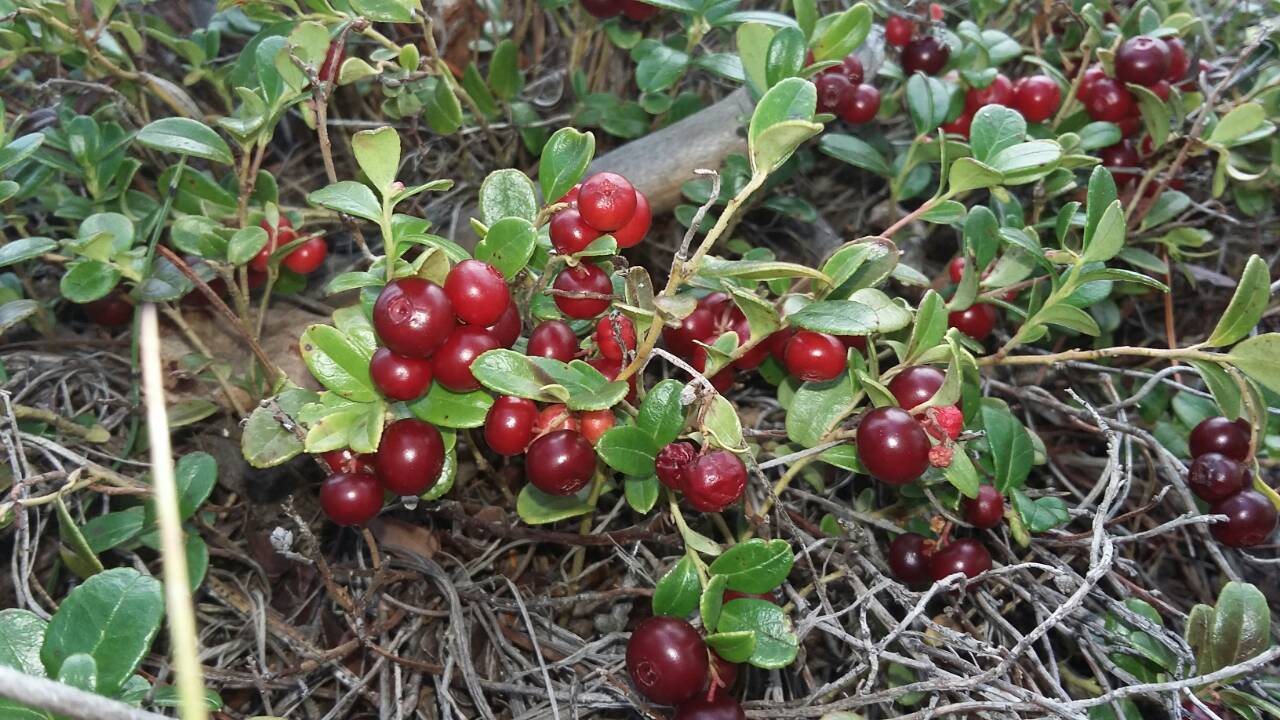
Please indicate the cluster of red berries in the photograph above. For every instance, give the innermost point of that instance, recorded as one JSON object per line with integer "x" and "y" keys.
{"x": 670, "y": 663}
{"x": 916, "y": 560}
{"x": 558, "y": 445}
{"x": 979, "y": 319}
{"x": 631, "y": 9}
{"x": 842, "y": 92}
{"x": 927, "y": 53}
{"x": 303, "y": 259}
{"x": 1220, "y": 476}
{"x": 712, "y": 316}
{"x": 711, "y": 481}
{"x": 604, "y": 204}
{"x": 893, "y": 445}
{"x": 1036, "y": 98}
{"x": 409, "y": 460}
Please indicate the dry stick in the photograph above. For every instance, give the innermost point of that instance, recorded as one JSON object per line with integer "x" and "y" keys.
{"x": 182, "y": 619}
{"x": 38, "y": 692}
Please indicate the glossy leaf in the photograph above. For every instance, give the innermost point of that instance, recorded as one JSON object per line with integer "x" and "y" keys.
{"x": 661, "y": 414}
{"x": 1011, "y": 448}
{"x": 755, "y": 566}
{"x": 185, "y": 137}
{"x": 677, "y": 593}
{"x": 507, "y": 193}
{"x": 564, "y": 161}
{"x": 1247, "y": 304}
{"x": 628, "y": 449}
{"x": 776, "y": 644}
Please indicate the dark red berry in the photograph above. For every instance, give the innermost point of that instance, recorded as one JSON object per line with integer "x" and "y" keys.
{"x": 1142, "y": 60}
{"x": 955, "y": 269}
{"x": 986, "y": 510}
{"x": 332, "y": 63}
{"x": 280, "y": 235}
{"x": 553, "y": 339}
{"x": 852, "y": 68}
{"x": 560, "y": 462}
{"x": 766, "y": 596}
{"x": 1122, "y": 160}
{"x": 507, "y": 329}
{"x": 699, "y": 326}
{"x": 1092, "y": 75}
{"x": 413, "y": 316}
{"x": 726, "y": 673}
{"x": 892, "y": 446}
{"x": 606, "y": 201}
{"x": 999, "y": 92}
{"x": 410, "y": 457}
{"x": 478, "y": 292}
{"x": 777, "y": 343}
{"x": 1162, "y": 89}
{"x": 915, "y": 385}
{"x": 960, "y": 126}
{"x": 1108, "y": 100}
{"x": 977, "y": 321}
{"x": 346, "y": 461}
{"x": 350, "y": 498}
{"x": 570, "y": 233}
{"x": 966, "y": 556}
{"x": 667, "y": 660}
{"x": 307, "y": 257}
{"x": 110, "y": 311}
{"x": 671, "y": 462}
{"x": 720, "y": 707}
{"x": 572, "y": 195}
{"x": 898, "y": 30}
{"x": 1220, "y": 435}
{"x": 815, "y": 357}
{"x": 508, "y": 428}
{"x": 603, "y": 9}
{"x": 1214, "y": 477}
{"x": 752, "y": 358}
{"x": 1251, "y": 518}
{"x": 1179, "y": 63}
{"x": 638, "y": 11}
{"x": 926, "y": 54}
{"x": 586, "y": 278}
{"x": 595, "y": 423}
{"x": 452, "y": 362}
{"x": 859, "y": 104}
{"x": 399, "y": 377}
{"x": 722, "y": 380}
{"x": 630, "y": 234}
{"x": 714, "y": 481}
{"x": 611, "y": 369}
{"x": 555, "y": 417}
{"x": 608, "y": 332}
{"x": 832, "y": 88}
{"x": 908, "y": 559}
{"x": 1037, "y": 97}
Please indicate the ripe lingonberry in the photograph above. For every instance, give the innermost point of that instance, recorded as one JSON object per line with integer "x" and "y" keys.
{"x": 671, "y": 462}
{"x": 410, "y": 457}
{"x": 915, "y": 385}
{"x": 553, "y": 339}
{"x": 719, "y": 707}
{"x": 1142, "y": 60}
{"x": 1108, "y": 100}
{"x": 960, "y": 126}
{"x": 110, "y": 311}
{"x": 1179, "y": 63}
{"x": 611, "y": 369}
{"x": 965, "y": 555}
{"x": 638, "y": 11}
{"x": 508, "y": 427}
{"x": 955, "y": 269}
{"x": 281, "y": 234}
{"x": 1091, "y": 75}
{"x": 350, "y": 498}
{"x": 1037, "y": 97}
{"x": 333, "y": 58}
{"x": 606, "y": 201}
{"x": 815, "y": 357}
{"x": 698, "y": 325}
{"x": 986, "y": 510}
{"x": 452, "y": 362}
{"x": 766, "y": 596}
{"x": 898, "y": 30}
{"x": 413, "y": 316}
{"x": 832, "y": 87}
{"x": 1214, "y": 476}
{"x": 667, "y": 660}
{"x": 586, "y": 278}
{"x": 892, "y": 446}
{"x": 603, "y": 9}
{"x": 596, "y": 423}
{"x": 908, "y": 560}
{"x": 555, "y": 417}
{"x": 752, "y": 358}
{"x": 399, "y": 377}
{"x": 1122, "y": 160}
{"x": 570, "y": 233}
{"x": 1220, "y": 435}
{"x": 1251, "y": 518}
{"x": 926, "y": 54}
{"x": 722, "y": 380}
{"x": 507, "y": 329}
{"x": 852, "y": 68}
{"x": 346, "y": 461}
{"x": 609, "y": 330}
{"x": 725, "y": 672}
{"x": 630, "y": 234}
{"x": 977, "y": 321}
{"x": 859, "y": 104}
{"x": 307, "y": 257}
{"x": 999, "y": 92}
{"x": 714, "y": 481}
{"x": 478, "y": 292}
{"x": 560, "y": 462}
{"x": 1162, "y": 89}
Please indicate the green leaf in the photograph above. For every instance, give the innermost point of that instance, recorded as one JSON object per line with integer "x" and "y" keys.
{"x": 21, "y": 635}
{"x": 445, "y": 408}
{"x": 752, "y": 42}
{"x": 755, "y": 566}
{"x": 1225, "y": 391}
{"x": 712, "y": 600}
{"x": 994, "y": 129}
{"x": 1011, "y": 448}
{"x": 859, "y": 264}
{"x": 538, "y": 508}
{"x": 246, "y": 243}
{"x": 508, "y": 245}
{"x": 969, "y": 174}
{"x": 15, "y": 311}
{"x": 1070, "y": 317}
{"x": 1241, "y": 625}
{"x": 507, "y": 372}
{"x": 394, "y": 11}
{"x": 336, "y": 423}
{"x": 817, "y": 408}
{"x": 378, "y": 155}
{"x": 112, "y": 616}
{"x": 1107, "y": 238}
{"x": 759, "y": 270}
{"x": 677, "y": 593}
{"x": 628, "y": 449}
{"x": 776, "y": 645}
{"x": 930, "y": 325}
{"x": 736, "y": 647}
{"x": 776, "y": 143}
{"x": 1196, "y": 633}
{"x": 88, "y": 280}
{"x": 564, "y": 161}
{"x": 113, "y": 529}
{"x": 661, "y": 414}
{"x": 1242, "y": 120}
{"x": 23, "y": 249}
{"x": 722, "y": 425}
{"x": 80, "y": 671}
{"x": 928, "y": 102}
{"x": 844, "y": 34}
{"x": 961, "y": 473}
{"x": 660, "y": 68}
{"x": 1256, "y": 357}
{"x": 856, "y": 152}
{"x": 1097, "y": 135}
{"x": 785, "y": 56}
{"x": 1102, "y": 193}
{"x": 1155, "y": 114}
{"x": 787, "y": 109}
{"x": 185, "y": 137}
{"x": 265, "y": 442}
{"x": 641, "y": 493}
{"x": 338, "y": 362}
{"x": 1026, "y": 162}
{"x": 20, "y": 149}
{"x": 507, "y": 193}
{"x": 504, "y": 70}
{"x": 1247, "y": 304}
{"x": 867, "y": 311}
{"x": 1041, "y": 514}
{"x": 349, "y": 197}
{"x": 195, "y": 475}
{"x": 442, "y": 108}
{"x": 945, "y": 212}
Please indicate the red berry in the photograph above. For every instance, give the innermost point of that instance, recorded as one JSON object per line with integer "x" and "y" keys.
{"x": 560, "y": 462}
{"x": 508, "y": 428}
{"x": 777, "y": 343}
{"x": 943, "y": 422}
{"x": 671, "y": 462}
{"x": 1037, "y": 98}
{"x": 859, "y": 104}
{"x": 858, "y": 342}
{"x": 714, "y": 481}
{"x": 413, "y": 316}
{"x": 110, "y": 311}
{"x": 999, "y": 92}
{"x": 1108, "y": 100}
{"x": 898, "y": 30}
{"x": 603, "y": 9}
{"x": 553, "y": 339}
{"x": 572, "y": 195}
{"x": 507, "y": 329}
{"x": 399, "y": 377}
{"x": 960, "y": 126}
{"x": 832, "y": 87}
{"x": 892, "y": 446}
{"x": 1251, "y": 518}
{"x": 281, "y": 234}
{"x": 726, "y": 673}
{"x": 307, "y": 257}
{"x": 722, "y": 380}
{"x": 1142, "y": 60}
{"x": 815, "y": 357}
{"x": 630, "y": 234}
{"x": 452, "y": 362}
{"x": 1214, "y": 477}
{"x": 609, "y": 330}
{"x": 638, "y": 11}
{"x": 586, "y": 278}
{"x": 596, "y": 423}
{"x": 1092, "y": 75}
{"x": 966, "y": 556}
{"x": 986, "y": 510}
{"x": 410, "y": 457}
{"x": 667, "y": 660}
{"x": 751, "y": 359}
{"x": 1162, "y": 89}
{"x": 977, "y": 321}
{"x": 927, "y": 54}
{"x": 955, "y": 269}
{"x": 735, "y": 595}
{"x": 611, "y": 369}
{"x": 607, "y": 201}
{"x": 332, "y": 63}
{"x": 908, "y": 560}
{"x": 1220, "y": 435}
{"x": 915, "y": 385}
{"x": 936, "y": 12}
{"x": 570, "y": 233}
{"x": 350, "y": 498}
{"x": 699, "y": 326}
{"x": 852, "y": 68}
{"x": 719, "y": 707}
{"x": 1122, "y": 160}
{"x": 555, "y": 417}
{"x": 346, "y": 461}
{"x": 1179, "y": 63}
{"x": 477, "y": 292}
